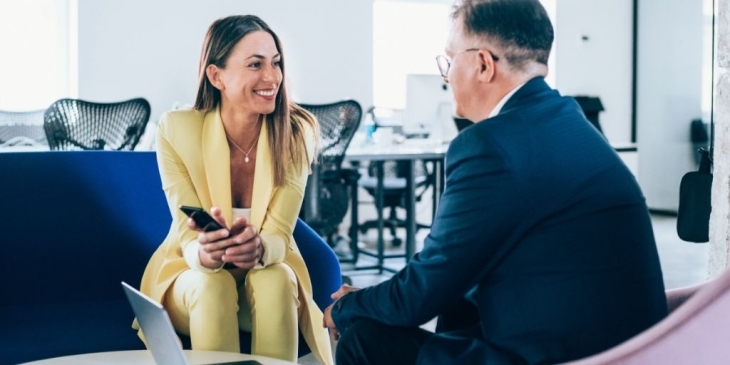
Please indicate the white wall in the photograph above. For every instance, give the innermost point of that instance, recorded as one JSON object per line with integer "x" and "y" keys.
{"x": 669, "y": 87}
{"x": 601, "y": 65}
{"x": 151, "y": 48}
{"x": 669, "y": 80}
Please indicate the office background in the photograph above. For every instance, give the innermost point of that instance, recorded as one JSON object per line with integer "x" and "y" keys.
{"x": 123, "y": 49}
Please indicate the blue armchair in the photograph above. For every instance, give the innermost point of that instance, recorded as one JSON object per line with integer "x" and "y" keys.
{"x": 74, "y": 225}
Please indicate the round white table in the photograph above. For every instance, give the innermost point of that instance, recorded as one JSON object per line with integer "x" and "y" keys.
{"x": 143, "y": 357}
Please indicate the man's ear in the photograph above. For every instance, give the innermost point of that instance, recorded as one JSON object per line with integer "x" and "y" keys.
{"x": 486, "y": 71}
{"x": 214, "y": 76}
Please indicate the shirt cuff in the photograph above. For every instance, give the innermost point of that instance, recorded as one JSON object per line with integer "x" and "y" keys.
{"x": 192, "y": 257}
{"x": 265, "y": 257}
{"x": 338, "y": 316}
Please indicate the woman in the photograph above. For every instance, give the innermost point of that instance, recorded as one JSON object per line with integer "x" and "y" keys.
{"x": 244, "y": 152}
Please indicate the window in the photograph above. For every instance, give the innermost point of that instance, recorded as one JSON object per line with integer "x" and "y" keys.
{"x": 407, "y": 36}
{"x": 710, "y": 74}
{"x": 38, "y": 39}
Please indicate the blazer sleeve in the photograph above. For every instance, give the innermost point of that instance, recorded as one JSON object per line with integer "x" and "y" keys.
{"x": 283, "y": 210}
{"x": 176, "y": 183}
{"x": 479, "y": 211}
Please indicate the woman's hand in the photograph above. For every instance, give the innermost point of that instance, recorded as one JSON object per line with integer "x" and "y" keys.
{"x": 247, "y": 249}
{"x": 213, "y": 244}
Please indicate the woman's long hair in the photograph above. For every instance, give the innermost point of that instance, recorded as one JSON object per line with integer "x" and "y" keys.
{"x": 286, "y": 134}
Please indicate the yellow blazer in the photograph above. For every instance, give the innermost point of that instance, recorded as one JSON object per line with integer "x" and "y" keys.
{"x": 194, "y": 162}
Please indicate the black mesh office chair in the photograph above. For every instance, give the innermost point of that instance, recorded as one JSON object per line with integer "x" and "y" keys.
{"x": 22, "y": 128}
{"x": 73, "y": 124}
{"x": 394, "y": 193}
{"x": 591, "y": 107}
{"x": 326, "y": 201}
{"x": 394, "y": 187}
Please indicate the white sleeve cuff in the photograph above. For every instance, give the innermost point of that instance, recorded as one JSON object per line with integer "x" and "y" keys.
{"x": 265, "y": 258}
{"x": 192, "y": 258}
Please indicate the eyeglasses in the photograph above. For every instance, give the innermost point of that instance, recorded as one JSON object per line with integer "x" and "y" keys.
{"x": 444, "y": 64}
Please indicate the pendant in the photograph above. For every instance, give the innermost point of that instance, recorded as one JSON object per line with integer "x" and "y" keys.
{"x": 246, "y": 159}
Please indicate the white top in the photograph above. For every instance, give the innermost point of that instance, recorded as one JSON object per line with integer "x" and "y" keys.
{"x": 191, "y": 250}
{"x": 242, "y": 213}
{"x": 498, "y": 107}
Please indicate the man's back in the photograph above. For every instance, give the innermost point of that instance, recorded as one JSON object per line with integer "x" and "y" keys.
{"x": 543, "y": 228}
{"x": 540, "y": 225}
{"x": 579, "y": 271}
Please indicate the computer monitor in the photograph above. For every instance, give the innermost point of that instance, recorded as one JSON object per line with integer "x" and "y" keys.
{"x": 429, "y": 107}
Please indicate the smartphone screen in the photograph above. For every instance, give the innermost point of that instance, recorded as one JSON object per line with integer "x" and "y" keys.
{"x": 202, "y": 218}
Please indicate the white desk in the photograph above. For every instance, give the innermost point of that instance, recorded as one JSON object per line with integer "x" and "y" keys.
{"x": 24, "y": 149}
{"x": 143, "y": 357}
{"x": 410, "y": 149}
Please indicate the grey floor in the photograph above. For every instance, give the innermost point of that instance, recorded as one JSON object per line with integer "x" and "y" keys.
{"x": 683, "y": 263}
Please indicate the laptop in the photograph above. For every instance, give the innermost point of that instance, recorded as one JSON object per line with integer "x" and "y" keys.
{"x": 162, "y": 340}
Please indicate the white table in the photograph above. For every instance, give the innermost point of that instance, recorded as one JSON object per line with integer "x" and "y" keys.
{"x": 24, "y": 149}
{"x": 143, "y": 357}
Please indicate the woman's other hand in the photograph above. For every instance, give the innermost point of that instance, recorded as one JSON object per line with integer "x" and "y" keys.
{"x": 213, "y": 244}
{"x": 247, "y": 249}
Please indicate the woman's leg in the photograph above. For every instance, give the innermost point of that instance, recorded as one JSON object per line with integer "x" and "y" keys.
{"x": 204, "y": 306}
{"x": 273, "y": 297}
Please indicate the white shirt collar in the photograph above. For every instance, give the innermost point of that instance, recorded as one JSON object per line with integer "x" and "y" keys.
{"x": 504, "y": 100}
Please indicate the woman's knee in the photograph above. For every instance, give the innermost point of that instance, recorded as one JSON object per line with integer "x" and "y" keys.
{"x": 273, "y": 274}
{"x": 220, "y": 284}
{"x": 279, "y": 276}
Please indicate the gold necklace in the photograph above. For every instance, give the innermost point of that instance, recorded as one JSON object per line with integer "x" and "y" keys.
{"x": 246, "y": 159}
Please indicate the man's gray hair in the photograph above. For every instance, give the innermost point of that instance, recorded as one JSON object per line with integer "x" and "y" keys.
{"x": 520, "y": 28}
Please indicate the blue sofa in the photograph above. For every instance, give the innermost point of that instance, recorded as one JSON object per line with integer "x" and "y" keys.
{"x": 73, "y": 225}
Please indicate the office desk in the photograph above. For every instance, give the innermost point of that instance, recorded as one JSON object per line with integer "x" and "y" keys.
{"x": 145, "y": 357}
{"x": 409, "y": 150}
{"x": 39, "y": 148}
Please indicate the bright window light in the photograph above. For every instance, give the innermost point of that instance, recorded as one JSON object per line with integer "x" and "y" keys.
{"x": 38, "y": 61}
{"x": 407, "y": 37}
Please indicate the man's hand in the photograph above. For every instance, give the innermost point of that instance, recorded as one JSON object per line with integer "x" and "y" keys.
{"x": 342, "y": 291}
{"x": 327, "y": 321}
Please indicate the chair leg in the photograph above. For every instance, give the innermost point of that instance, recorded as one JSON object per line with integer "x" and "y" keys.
{"x": 394, "y": 223}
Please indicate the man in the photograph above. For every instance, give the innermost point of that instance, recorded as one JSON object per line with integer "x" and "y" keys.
{"x": 542, "y": 249}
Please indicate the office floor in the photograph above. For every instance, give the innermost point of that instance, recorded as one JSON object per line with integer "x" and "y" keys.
{"x": 683, "y": 263}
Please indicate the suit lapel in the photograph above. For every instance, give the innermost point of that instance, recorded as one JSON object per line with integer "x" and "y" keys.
{"x": 262, "y": 179}
{"x": 217, "y": 163}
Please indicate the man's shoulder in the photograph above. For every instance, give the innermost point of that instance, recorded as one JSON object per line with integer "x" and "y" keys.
{"x": 475, "y": 142}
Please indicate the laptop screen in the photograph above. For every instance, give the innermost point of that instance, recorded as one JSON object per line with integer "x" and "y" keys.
{"x": 162, "y": 341}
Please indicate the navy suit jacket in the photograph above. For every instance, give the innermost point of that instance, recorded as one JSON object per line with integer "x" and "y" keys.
{"x": 543, "y": 228}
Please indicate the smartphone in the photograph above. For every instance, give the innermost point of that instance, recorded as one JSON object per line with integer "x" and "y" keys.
{"x": 201, "y": 218}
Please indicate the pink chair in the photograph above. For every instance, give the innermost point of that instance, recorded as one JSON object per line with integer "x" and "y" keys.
{"x": 696, "y": 331}
{"x": 677, "y": 297}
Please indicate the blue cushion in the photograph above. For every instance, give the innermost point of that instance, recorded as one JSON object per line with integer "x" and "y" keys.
{"x": 32, "y": 332}
{"x": 77, "y": 223}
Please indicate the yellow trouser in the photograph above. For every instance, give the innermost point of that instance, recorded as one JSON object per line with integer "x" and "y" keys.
{"x": 212, "y": 307}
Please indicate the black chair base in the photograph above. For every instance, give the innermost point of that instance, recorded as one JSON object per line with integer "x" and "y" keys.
{"x": 392, "y": 223}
